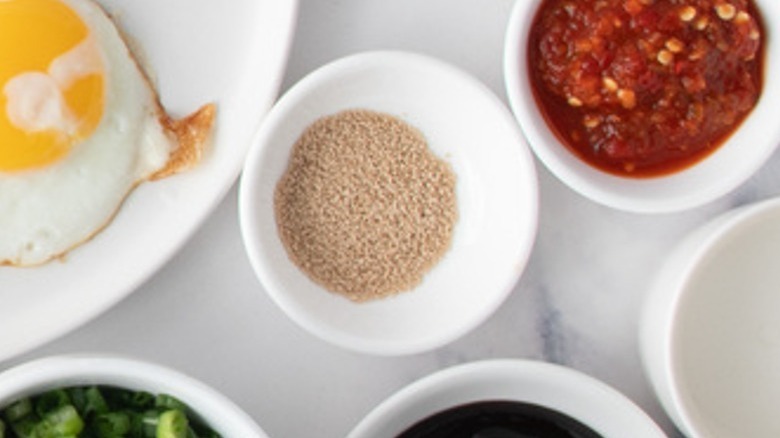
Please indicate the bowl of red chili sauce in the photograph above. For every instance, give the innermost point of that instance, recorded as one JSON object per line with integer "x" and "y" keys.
{"x": 646, "y": 105}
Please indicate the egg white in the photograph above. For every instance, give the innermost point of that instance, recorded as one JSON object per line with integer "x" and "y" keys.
{"x": 45, "y": 212}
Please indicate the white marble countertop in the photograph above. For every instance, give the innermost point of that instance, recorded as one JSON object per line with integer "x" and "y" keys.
{"x": 577, "y": 303}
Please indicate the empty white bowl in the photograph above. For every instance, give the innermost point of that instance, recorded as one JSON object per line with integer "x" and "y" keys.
{"x": 710, "y": 333}
{"x": 569, "y": 392}
{"x": 719, "y": 173}
{"x": 41, "y": 375}
{"x": 464, "y": 124}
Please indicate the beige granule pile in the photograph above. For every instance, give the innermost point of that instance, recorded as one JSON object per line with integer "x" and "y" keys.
{"x": 364, "y": 208}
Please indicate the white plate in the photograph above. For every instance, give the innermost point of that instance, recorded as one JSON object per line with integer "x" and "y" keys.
{"x": 197, "y": 51}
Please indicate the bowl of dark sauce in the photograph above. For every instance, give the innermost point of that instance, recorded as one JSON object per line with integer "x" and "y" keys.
{"x": 507, "y": 398}
{"x": 499, "y": 419}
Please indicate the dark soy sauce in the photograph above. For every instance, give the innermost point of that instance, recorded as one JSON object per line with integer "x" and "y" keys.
{"x": 499, "y": 419}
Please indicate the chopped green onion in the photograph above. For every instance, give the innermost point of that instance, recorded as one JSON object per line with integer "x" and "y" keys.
{"x": 78, "y": 397}
{"x": 173, "y": 424}
{"x": 165, "y": 401}
{"x": 63, "y": 421}
{"x": 18, "y": 410}
{"x": 23, "y": 427}
{"x": 111, "y": 424}
{"x": 95, "y": 403}
{"x": 141, "y": 399}
{"x": 100, "y": 412}
{"x": 150, "y": 419}
{"x": 50, "y": 401}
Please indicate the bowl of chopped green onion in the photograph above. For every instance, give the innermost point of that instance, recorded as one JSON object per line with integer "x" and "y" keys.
{"x": 100, "y": 396}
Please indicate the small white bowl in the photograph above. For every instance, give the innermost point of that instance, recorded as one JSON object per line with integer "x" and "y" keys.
{"x": 497, "y": 195}
{"x": 40, "y": 375}
{"x": 561, "y": 389}
{"x": 710, "y": 333}
{"x": 718, "y": 174}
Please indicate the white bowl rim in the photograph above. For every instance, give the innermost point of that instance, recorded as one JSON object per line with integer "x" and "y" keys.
{"x": 679, "y": 272}
{"x": 603, "y": 187}
{"x": 33, "y": 377}
{"x": 282, "y": 109}
{"x": 567, "y": 382}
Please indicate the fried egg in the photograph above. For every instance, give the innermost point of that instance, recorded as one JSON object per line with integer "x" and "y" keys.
{"x": 80, "y": 127}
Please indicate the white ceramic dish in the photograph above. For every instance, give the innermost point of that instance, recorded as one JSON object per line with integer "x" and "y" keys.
{"x": 710, "y": 334}
{"x": 197, "y": 51}
{"x": 728, "y": 167}
{"x": 49, "y": 373}
{"x": 570, "y": 392}
{"x": 497, "y": 200}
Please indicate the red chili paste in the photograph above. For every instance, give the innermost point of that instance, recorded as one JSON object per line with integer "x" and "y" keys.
{"x": 645, "y": 87}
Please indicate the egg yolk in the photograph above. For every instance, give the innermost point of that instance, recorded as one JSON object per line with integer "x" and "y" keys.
{"x": 51, "y": 83}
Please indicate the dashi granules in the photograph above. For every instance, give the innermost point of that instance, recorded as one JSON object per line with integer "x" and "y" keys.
{"x": 365, "y": 209}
